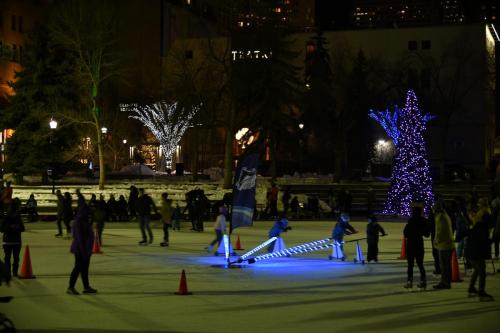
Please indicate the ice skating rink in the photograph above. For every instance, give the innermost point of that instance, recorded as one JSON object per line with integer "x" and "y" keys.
{"x": 304, "y": 293}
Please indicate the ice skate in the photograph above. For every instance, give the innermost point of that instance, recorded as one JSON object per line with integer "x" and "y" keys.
{"x": 164, "y": 244}
{"x": 422, "y": 286}
{"x": 72, "y": 291}
{"x": 472, "y": 292}
{"x": 89, "y": 290}
{"x": 484, "y": 297}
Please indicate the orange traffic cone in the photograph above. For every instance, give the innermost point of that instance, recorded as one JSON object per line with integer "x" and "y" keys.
{"x": 402, "y": 256}
{"x": 237, "y": 246}
{"x": 455, "y": 270}
{"x": 26, "y": 271}
{"x": 183, "y": 288}
{"x": 96, "y": 247}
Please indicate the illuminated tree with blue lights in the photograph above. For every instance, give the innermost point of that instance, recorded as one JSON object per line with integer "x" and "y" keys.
{"x": 410, "y": 179}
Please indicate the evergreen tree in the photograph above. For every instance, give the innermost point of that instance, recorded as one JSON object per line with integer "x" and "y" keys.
{"x": 410, "y": 180}
{"x": 43, "y": 88}
{"x": 319, "y": 102}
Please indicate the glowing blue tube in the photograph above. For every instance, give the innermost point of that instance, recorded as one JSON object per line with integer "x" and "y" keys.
{"x": 226, "y": 246}
{"x": 294, "y": 250}
{"x": 249, "y": 253}
{"x": 291, "y": 251}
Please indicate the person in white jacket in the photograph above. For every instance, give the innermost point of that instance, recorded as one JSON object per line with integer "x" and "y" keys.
{"x": 219, "y": 228}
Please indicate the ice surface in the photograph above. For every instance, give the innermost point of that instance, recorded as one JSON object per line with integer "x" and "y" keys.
{"x": 307, "y": 293}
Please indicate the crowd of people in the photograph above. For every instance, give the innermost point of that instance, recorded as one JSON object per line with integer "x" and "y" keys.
{"x": 468, "y": 226}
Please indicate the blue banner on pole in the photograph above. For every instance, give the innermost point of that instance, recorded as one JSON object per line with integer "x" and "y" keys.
{"x": 244, "y": 192}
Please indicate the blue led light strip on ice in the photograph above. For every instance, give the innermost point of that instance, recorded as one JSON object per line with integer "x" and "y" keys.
{"x": 294, "y": 250}
{"x": 291, "y": 251}
{"x": 226, "y": 246}
{"x": 249, "y": 253}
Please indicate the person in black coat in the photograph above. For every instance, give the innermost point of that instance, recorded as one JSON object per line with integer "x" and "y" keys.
{"x": 81, "y": 247}
{"x": 144, "y": 205}
{"x": 478, "y": 250}
{"x": 415, "y": 230}
{"x": 373, "y": 230}
{"x": 12, "y": 227}
{"x": 132, "y": 201}
{"x": 67, "y": 213}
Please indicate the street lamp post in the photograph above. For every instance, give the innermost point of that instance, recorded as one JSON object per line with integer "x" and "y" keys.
{"x": 53, "y": 127}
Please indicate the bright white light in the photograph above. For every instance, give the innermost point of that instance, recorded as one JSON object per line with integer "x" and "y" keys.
{"x": 124, "y": 141}
{"x": 104, "y": 130}
{"x": 167, "y": 123}
{"x": 301, "y": 126}
{"x": 52, "y": 124}
{"x": 241, "y": 133}
{"x": 382, "y": 142}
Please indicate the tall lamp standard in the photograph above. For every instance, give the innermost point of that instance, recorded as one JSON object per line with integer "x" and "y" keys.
{"x": 53, "y": 126}
{"x": 301, "y": 146}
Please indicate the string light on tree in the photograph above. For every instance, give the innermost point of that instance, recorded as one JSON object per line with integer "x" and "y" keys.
{"x": 410, "y": 179}
{"x": 167, "y": 122}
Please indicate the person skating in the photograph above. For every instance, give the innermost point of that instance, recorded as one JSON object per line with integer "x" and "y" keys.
{"x": 144, "y": 206}
{"x": 415, "y": 230}
{"x": 98, "y": 216}
{"x": 373, "y": 230}
{"x": 67, "y": 213}
{"x": 342, "y": 227}
{"x": 133, "y": 197}
{"x": 219, "y": 228}
{"x": 281, "y": 225}
{"x": 122, "y": 209}
{"x": 176, "y": 217}
{"x": 81, "y": 247}
{"x": 478, "y": 249}
{"x": 443, "y": 242}
{"x": 12, "y": 227}
{"x": 60, "y": 213}
{"x": 166, "y": 217}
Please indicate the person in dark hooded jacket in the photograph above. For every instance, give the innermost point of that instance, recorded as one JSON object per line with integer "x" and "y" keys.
{"x": 12, "y": 227}
{"x": 373, "y": 230}
{"x": 81, "y": 247}
{"x": 279, "y": 226}
{"x": 414, "y": 232}
{"x": 478, "y": 249}
{"x": 342, "y": 227}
